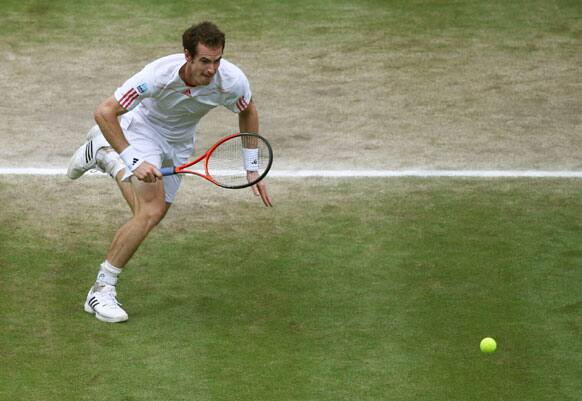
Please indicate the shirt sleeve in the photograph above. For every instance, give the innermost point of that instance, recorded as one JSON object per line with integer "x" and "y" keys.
{"x": 135, "y": 89}
{"x": 239, "y": 96}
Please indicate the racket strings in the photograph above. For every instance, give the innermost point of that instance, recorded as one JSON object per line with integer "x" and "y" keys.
{"x": 226, "y": 164}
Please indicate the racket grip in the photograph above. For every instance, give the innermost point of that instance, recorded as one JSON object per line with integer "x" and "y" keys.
{"x": 168, "y": 170}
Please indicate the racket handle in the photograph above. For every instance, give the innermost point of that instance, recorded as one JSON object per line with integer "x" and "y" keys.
{"x": 168, "y": 170}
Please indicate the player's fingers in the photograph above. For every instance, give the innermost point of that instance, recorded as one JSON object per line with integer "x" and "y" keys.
{"x": 142, "y": 173}
{"x": 140, "y": 176}
{"x": 256, "y": 190}
{"x": 151, "y": 176}
{"x": 262, "y": 188}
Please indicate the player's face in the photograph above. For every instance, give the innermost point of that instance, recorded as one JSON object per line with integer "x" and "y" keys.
{"x": 201, "y": 68}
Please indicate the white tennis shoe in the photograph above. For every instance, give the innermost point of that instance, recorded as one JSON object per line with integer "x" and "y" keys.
{"x": 85, "y": 158}
{"x": 102, "y": 301}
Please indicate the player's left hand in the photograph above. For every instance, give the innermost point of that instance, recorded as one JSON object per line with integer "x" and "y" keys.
{"x": 260, "y": 189}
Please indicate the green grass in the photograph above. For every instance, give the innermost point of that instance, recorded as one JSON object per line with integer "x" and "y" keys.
{"x": 367, "y": 290}
{"x": 346, "y": 290}
{"x": 373, "y": 25}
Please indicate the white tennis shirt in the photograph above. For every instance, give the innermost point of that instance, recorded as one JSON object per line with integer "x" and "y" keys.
{"x": 162, "y": 100}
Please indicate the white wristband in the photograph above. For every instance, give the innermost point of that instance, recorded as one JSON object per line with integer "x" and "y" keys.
{"x": 131, "y": 158}
{"x": 251, "y": 159}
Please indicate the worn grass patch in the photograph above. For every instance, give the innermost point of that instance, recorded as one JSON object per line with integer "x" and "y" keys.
{"x": 413, "y": 84}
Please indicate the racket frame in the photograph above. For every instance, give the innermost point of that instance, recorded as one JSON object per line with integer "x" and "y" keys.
{"x": 183, "y": 169}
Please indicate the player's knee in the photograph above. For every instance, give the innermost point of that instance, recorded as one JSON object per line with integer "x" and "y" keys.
{"x": 152, "y": 215}
{"x": 157, "y": 215}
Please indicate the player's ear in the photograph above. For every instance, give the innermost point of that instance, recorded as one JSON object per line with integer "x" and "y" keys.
{"x": 188, "y": 55}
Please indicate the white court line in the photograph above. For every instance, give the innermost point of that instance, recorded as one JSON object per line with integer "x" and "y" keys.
{"x": 354, "y": 173}
{"x": 429, "y": 173}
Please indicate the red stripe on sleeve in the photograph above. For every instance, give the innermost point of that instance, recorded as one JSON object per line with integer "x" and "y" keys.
{"x": 128, "y": 98}
{"x": 126, "y": 95}
{"x": 130, "y": 101}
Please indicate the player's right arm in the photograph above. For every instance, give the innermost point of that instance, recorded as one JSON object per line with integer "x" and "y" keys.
{"x": 106, "y": 116}
{"x": 125, "y": 98}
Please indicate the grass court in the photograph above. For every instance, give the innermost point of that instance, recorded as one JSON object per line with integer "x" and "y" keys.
{"x": 348, "y": 289}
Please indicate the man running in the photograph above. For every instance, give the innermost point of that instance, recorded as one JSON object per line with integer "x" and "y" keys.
{"x": 150, "y": 122}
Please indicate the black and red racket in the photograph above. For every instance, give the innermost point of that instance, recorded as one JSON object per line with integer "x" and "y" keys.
{"x": 236, "y": 161}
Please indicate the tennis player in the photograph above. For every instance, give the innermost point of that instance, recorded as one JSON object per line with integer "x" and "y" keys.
{"x": 150, "y": 122}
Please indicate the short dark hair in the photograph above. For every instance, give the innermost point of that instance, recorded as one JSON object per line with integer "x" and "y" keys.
{"x": 205, "y": 33}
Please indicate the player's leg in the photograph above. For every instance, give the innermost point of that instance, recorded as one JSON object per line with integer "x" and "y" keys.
{"x": 150, "y": 208}
{"x": 109, "y": 162}
{"x": 96, "y": 153}
{"x": 149, "y": 203}
{"x": 126, "y": 190}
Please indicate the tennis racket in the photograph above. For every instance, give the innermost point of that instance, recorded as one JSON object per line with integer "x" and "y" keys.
{"x": 236, "y": 161}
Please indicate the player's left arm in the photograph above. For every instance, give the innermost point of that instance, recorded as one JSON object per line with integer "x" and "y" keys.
{"x": 248, "y": 121}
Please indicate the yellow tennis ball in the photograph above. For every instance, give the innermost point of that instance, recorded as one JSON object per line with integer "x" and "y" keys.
{"x": 488, "y": 345}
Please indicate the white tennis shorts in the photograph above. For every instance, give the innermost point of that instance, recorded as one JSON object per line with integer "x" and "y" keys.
{"x": 156, "y": 150}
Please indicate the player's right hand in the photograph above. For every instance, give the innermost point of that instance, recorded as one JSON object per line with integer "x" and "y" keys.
{"x": 147, "y": 172}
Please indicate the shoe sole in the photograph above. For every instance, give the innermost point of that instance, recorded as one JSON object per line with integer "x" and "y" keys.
{"x": 106, "y": 319}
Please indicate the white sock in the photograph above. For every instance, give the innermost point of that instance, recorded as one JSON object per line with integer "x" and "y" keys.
{"x": 108, "y": 274}
{"x": 109, "y": 162}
